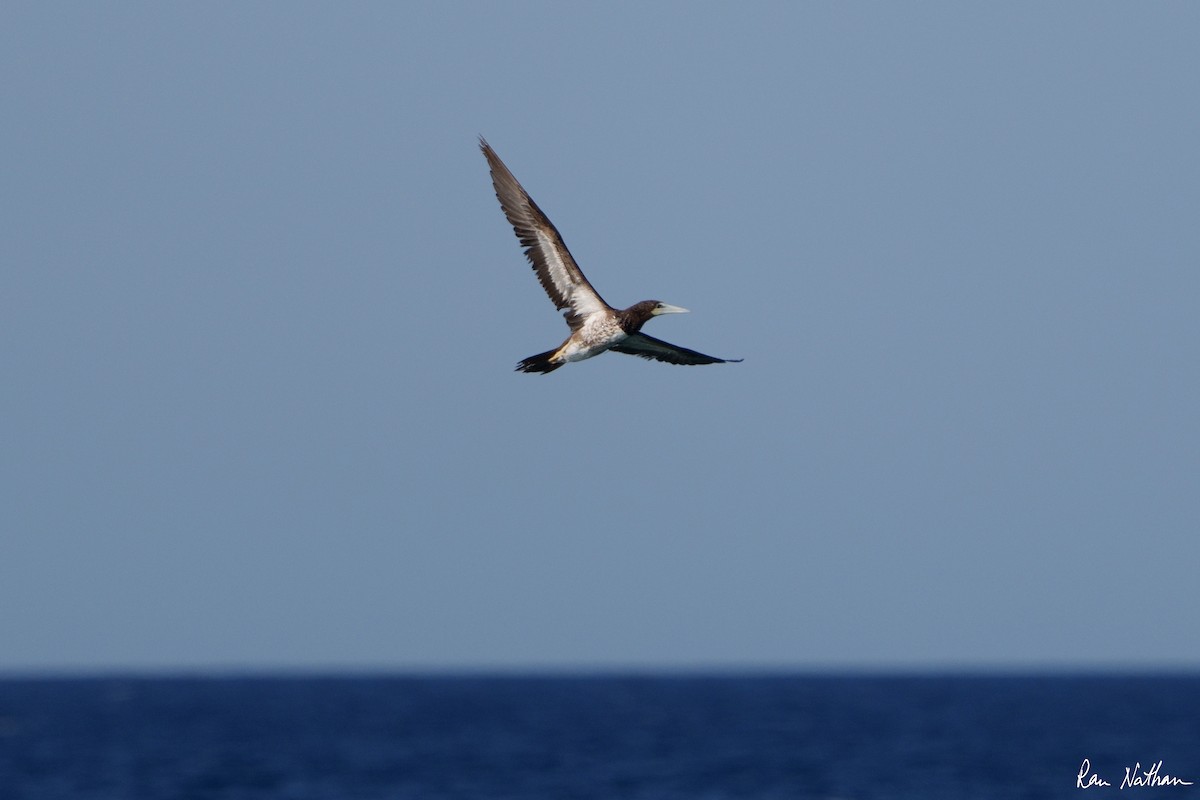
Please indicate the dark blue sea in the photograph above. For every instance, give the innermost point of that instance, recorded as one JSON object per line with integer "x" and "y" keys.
{"x": 852, "y": 738}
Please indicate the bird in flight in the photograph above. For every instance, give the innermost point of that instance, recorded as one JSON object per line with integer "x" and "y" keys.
{"x": 595, "y": 325}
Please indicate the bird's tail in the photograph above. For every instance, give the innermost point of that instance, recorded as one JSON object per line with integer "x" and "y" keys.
{"x": 542, "y": 362}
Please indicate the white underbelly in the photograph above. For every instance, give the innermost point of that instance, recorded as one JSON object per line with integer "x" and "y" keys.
{"x": 592, "y": 340}
{"x": 575, "y": 351}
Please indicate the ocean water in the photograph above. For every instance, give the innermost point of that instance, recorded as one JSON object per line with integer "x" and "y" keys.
{"x": 850, "y": 737}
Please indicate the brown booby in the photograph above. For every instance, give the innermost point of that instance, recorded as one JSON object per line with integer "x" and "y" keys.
{"x": 595, "y": 325}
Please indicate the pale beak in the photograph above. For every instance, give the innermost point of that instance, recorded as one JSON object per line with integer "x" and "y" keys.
{"x": 666, "y": 309}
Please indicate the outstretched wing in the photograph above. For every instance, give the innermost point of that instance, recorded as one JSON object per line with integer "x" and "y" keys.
{"x": 556, "y": 270}
{"x": 639, "y": 344}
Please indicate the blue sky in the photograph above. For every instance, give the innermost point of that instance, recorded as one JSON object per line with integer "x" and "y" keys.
{"x": 260, "y": 309}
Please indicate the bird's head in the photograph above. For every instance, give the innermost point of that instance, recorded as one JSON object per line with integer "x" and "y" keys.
{"x": 634, "y": 317}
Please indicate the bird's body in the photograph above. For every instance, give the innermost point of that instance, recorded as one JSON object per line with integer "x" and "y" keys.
{"x": 598, "y": 333}
{"x": 595, "y": 325}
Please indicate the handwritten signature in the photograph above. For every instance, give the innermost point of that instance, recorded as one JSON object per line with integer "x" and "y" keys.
{"x": 1135, "y": 776}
